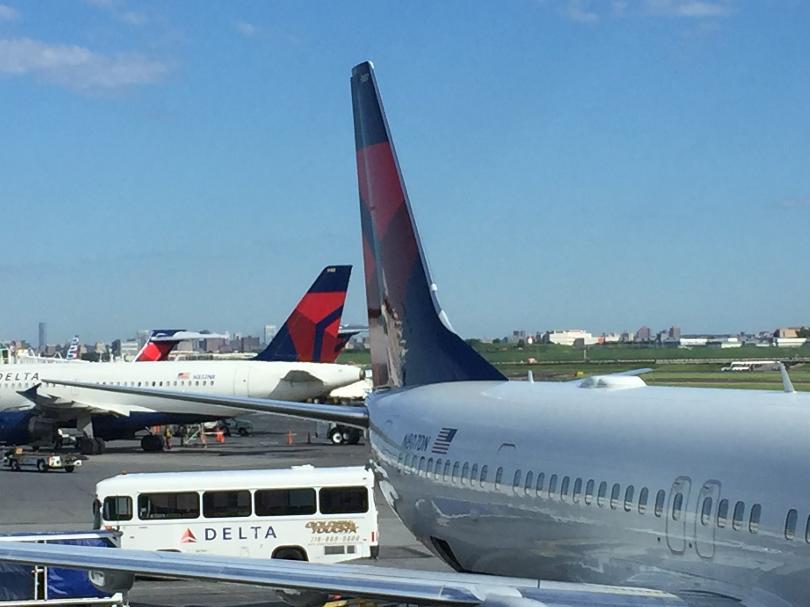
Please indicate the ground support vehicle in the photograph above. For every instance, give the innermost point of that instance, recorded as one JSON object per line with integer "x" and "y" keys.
{"x": 18, "y": 459}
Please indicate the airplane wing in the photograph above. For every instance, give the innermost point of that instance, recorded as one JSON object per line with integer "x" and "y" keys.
{"x": 357, "y": 581}
{"x": 54, "y": 405}
{"x": 351, "y": 416}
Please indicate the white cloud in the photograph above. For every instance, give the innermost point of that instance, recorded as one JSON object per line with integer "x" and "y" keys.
{"x": 579, "y": 10}
{"x": 8, "y": 13}
{"x": 794, "y": 203}
{"x": 133, "y": 18}
{"x": 76, "y": 67}
{"x": 689, "y": 8}
{"x": 248, "y": 30}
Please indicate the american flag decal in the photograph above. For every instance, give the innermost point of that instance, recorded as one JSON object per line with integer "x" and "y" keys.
{"x": 443, "y": 440}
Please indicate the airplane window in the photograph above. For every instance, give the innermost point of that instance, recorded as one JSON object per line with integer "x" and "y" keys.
{"x": 600, "y": 498}
{"x": 677, "y": 506}
{"x": 446, "y": 470}
{"x": 454, "y": 477}
{"x": 807, "y": 531}
{"x": 529, "y": 482}
{"x": 429, "y": 467}
{"x": 614, "y": 496}
{"x": 628, "y": 498}
{"x": 498, "y": 477}
{"x": 552, "y": 485}
{"x": 153, "y": 384}
{"x": 484, "y": 471}
{"x": 538, "y": 487}
{"x": 739, "y": 511}
{"x": 175, "y": 382}
{"x": 589, "y": 492}
{"x": 566, "y": 481}
{"x": 196, "y": 383}
{"x": 473, "y": 473}
{"x": 642, "y": 500}
{"x": 438, "y": 471}
{"x": 577, "y": 490}
{"x": 659, "y": 502}
{"x": 400, "y": 458}
{"x": 204, "y": 382}
{"x": 722, "y": 513}
{"x": 139, "y": 384}
{"x": 790, "y": 524}
{"x": 753, "y": 519}
{"x": 706, "y": 510}
{"x": 516, "y": 480}
{"x": 465, "y": 471}
{"x": 421, "y": 465}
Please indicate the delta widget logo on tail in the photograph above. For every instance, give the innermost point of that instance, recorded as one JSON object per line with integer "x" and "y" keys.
{"x": 188, "y": 537}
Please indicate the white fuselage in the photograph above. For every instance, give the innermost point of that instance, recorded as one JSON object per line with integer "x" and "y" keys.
{"x": 277, "y": 380}
{"x": 704, "y": 445}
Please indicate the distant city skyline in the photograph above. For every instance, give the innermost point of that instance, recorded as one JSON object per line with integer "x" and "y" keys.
{"x": 570, "y": 162}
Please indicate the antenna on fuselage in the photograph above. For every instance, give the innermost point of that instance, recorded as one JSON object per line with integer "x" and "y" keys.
{"x": 787, "y": 385}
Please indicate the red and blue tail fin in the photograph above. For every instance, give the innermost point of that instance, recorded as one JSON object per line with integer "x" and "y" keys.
{"x": 311, "y": 332}
{"x": 411, "y": 340}
{"x": 158, "y": 346}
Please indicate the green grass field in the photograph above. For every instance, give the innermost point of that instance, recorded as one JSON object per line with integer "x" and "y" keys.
{"x": 670, "y": 366}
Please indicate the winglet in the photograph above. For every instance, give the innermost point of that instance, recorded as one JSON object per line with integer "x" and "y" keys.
{"x": 787, "y": 385}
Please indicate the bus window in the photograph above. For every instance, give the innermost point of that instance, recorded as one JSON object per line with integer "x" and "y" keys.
{"x": 222, "y": 504}
{"x": 284, "y": 502}
{"x": 117, "y": 508}
{"x": 168, "y": 505}
{"x": 343, "y": 500}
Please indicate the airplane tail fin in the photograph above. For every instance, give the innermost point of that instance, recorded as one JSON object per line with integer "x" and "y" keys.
{"x": 412, "y": 342}
{"x": 311, "y": 332}
{"x": 73, "y": 349}
{"x": 158, "y": 346}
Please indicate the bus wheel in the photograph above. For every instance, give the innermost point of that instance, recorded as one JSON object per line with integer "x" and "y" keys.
{"x": 290, "y": 554}
{"x": 70, "y": 468}
{"x": 42, "y": 465}
{"x": 336, "y": 436}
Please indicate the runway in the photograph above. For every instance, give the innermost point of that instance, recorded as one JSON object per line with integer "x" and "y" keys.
{"x": 58, "y": 501}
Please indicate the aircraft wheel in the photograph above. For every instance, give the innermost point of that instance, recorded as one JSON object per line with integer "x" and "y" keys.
{"x": 87, "y": 446}
{"x": 42, "y": 465}
{"x": 336, "y": 436}
{"x": 151, "y": 443}
{"x": 353, "y": 436}
{"x": 99, "y": 446}
{"x": 70, "y": 468}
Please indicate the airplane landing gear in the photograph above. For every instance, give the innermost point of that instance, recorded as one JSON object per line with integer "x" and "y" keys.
{"x": 91, "y": 446}
{"x": 152, "y": 443}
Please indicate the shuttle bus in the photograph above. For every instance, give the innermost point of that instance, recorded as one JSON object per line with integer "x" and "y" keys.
{"x": 324, "y": 515}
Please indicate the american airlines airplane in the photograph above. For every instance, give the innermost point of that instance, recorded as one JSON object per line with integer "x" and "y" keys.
{"x": 31, "y": 409}
{"x": 601, "y": 492}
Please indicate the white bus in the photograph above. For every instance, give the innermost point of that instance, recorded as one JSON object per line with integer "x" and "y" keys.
{"x": 325, "y": 515}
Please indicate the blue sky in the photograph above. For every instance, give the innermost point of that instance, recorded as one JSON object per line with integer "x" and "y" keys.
{"x": 571, "y": 163}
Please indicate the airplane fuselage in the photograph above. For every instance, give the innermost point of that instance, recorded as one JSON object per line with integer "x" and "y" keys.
{"x": 637, "y": 486}
{"x": 127, "y": 413}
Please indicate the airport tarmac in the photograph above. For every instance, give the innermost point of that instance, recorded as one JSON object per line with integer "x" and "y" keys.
{"x": 58, "y": 501}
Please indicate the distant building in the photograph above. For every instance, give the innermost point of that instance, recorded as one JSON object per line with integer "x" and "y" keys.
{"x": 130, "y": 349}
{"x": 790, "y": 342}
{"x": 215, "y": 344}
{"x": 644, "y": 334}
{"x": 569, "y": 337}
{"x": 43, "y": 336}
{"x": 674, "y": 333}
{"x": 517, "y": 337}
{"x": 249, "y": 344}
{"x": 787, "y": 332}
{"x": 268, "y": 334}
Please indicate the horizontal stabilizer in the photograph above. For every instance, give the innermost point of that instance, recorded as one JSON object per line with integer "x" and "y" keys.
{"x": 351, "y": 416}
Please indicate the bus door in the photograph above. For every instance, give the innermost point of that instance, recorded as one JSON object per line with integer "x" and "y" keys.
{"x": 705, "y": 517}
{"x": 677, "y": 514}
